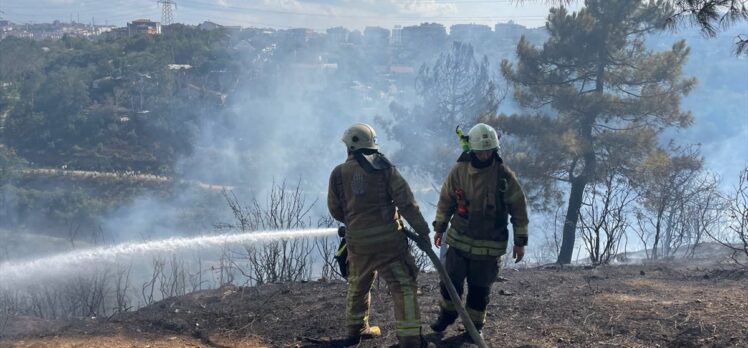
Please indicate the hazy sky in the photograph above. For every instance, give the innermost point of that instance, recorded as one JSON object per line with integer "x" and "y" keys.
{"x": 315, "y": 14}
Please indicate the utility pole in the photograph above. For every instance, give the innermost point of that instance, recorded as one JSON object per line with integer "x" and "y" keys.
{"x": 167, "y": 12}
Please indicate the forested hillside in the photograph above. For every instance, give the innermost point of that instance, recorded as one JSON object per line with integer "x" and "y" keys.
{"x": 213, "y": 105}
{"x": 112, "y": 104}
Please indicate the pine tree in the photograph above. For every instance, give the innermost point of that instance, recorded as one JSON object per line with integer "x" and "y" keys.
{"x": 710, "y": 16}
{"x": 456, "y": 90}
{"x": 594, "y": 83}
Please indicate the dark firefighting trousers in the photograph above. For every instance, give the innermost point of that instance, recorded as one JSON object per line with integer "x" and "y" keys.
{"x": 480, "y": 275}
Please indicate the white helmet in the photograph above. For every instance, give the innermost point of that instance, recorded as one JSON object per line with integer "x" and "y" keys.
{"x": 483, "y": 137}
{"x": 360, "y": 136}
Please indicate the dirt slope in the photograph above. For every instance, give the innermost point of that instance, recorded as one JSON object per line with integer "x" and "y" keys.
{"x": 631, "y": 306}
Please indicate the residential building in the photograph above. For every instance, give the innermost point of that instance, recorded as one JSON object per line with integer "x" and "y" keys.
{"x": 397, "y": 35}
{"x": 209, "y": 26}
{"x": 510, "y": 30}
{"x": 376, "y": 37}
{"x": 470, "y": 33}
{"x": 426, "y": 34}
{"x": 337, "y": 35}
{"x": 143, "y": 26}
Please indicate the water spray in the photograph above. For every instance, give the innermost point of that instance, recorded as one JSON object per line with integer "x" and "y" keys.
{"x": 12, "y": 272}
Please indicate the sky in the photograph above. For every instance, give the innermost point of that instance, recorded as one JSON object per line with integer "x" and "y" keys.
{"x": 281, "y": 14}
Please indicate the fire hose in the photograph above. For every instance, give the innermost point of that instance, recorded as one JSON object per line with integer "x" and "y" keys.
{"x": 466, "y": 321}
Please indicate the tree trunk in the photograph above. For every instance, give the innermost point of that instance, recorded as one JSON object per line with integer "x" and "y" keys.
{"x": 579, "y": 183}
{"x": 570, "y": 222}
{"x": 576, "y": 196}
{"x": 656, "y": 243}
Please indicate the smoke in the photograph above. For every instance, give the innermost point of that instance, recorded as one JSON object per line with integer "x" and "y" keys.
{"x": 282, "y": 122}
{"x": 190, "y": 211}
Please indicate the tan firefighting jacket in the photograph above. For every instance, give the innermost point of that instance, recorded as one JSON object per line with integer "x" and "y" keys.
{"x": 370, "y": 205}
{"x": 489, "y": 194}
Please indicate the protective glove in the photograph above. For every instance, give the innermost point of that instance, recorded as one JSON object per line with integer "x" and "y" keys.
{"x": 341, "y": 231}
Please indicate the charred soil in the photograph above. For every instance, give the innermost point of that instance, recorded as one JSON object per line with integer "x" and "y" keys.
{"x": 657, "y": 305}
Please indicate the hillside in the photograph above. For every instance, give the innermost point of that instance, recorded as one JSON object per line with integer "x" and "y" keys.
{"x": 642, "y": 305}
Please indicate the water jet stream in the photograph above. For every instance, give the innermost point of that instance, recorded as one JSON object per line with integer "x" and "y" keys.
{"x": 12, "y": 272}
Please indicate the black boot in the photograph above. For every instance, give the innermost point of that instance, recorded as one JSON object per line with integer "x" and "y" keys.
{"x": 479, "y": 328}
{"x": 445, "y": 319}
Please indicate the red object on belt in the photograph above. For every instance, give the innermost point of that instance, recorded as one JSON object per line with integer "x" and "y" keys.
{"x": 461, "y": 204}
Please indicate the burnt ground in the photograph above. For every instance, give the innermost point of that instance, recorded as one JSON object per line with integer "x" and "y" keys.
{"x": 613, "y": 306}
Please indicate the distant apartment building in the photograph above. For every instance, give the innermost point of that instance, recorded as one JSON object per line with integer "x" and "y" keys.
{"x": 509, "y": 30}
{"x": 301, "y": 34}
{"x": 397, "y": 35}
{"x": 470, "y": 33}
{"x": 337, "y": 35}
{"x": 376, "y": 46}
{"x": 355, "y": 37}
{"x": 143, "y": 26}
{"x": 425, "y": 35}
{"x": 297, "y": 36}
{"x": 117, "y": 33}
{"x": 376, "y": 37}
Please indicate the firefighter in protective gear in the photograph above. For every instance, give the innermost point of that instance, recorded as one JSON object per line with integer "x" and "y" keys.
{"x": 369, "y": 196}
{"x": 476, "y": 200}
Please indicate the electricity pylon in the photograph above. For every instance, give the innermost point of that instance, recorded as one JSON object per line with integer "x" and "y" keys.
{"x": 167, "y": 11}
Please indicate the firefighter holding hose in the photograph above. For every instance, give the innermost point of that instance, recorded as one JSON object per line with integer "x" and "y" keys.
{"x": 476, "y": 200}
{"x": 368, "y": 194}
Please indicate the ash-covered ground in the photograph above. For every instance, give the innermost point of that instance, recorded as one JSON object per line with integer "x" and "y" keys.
{"x": 654, "y": 305}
